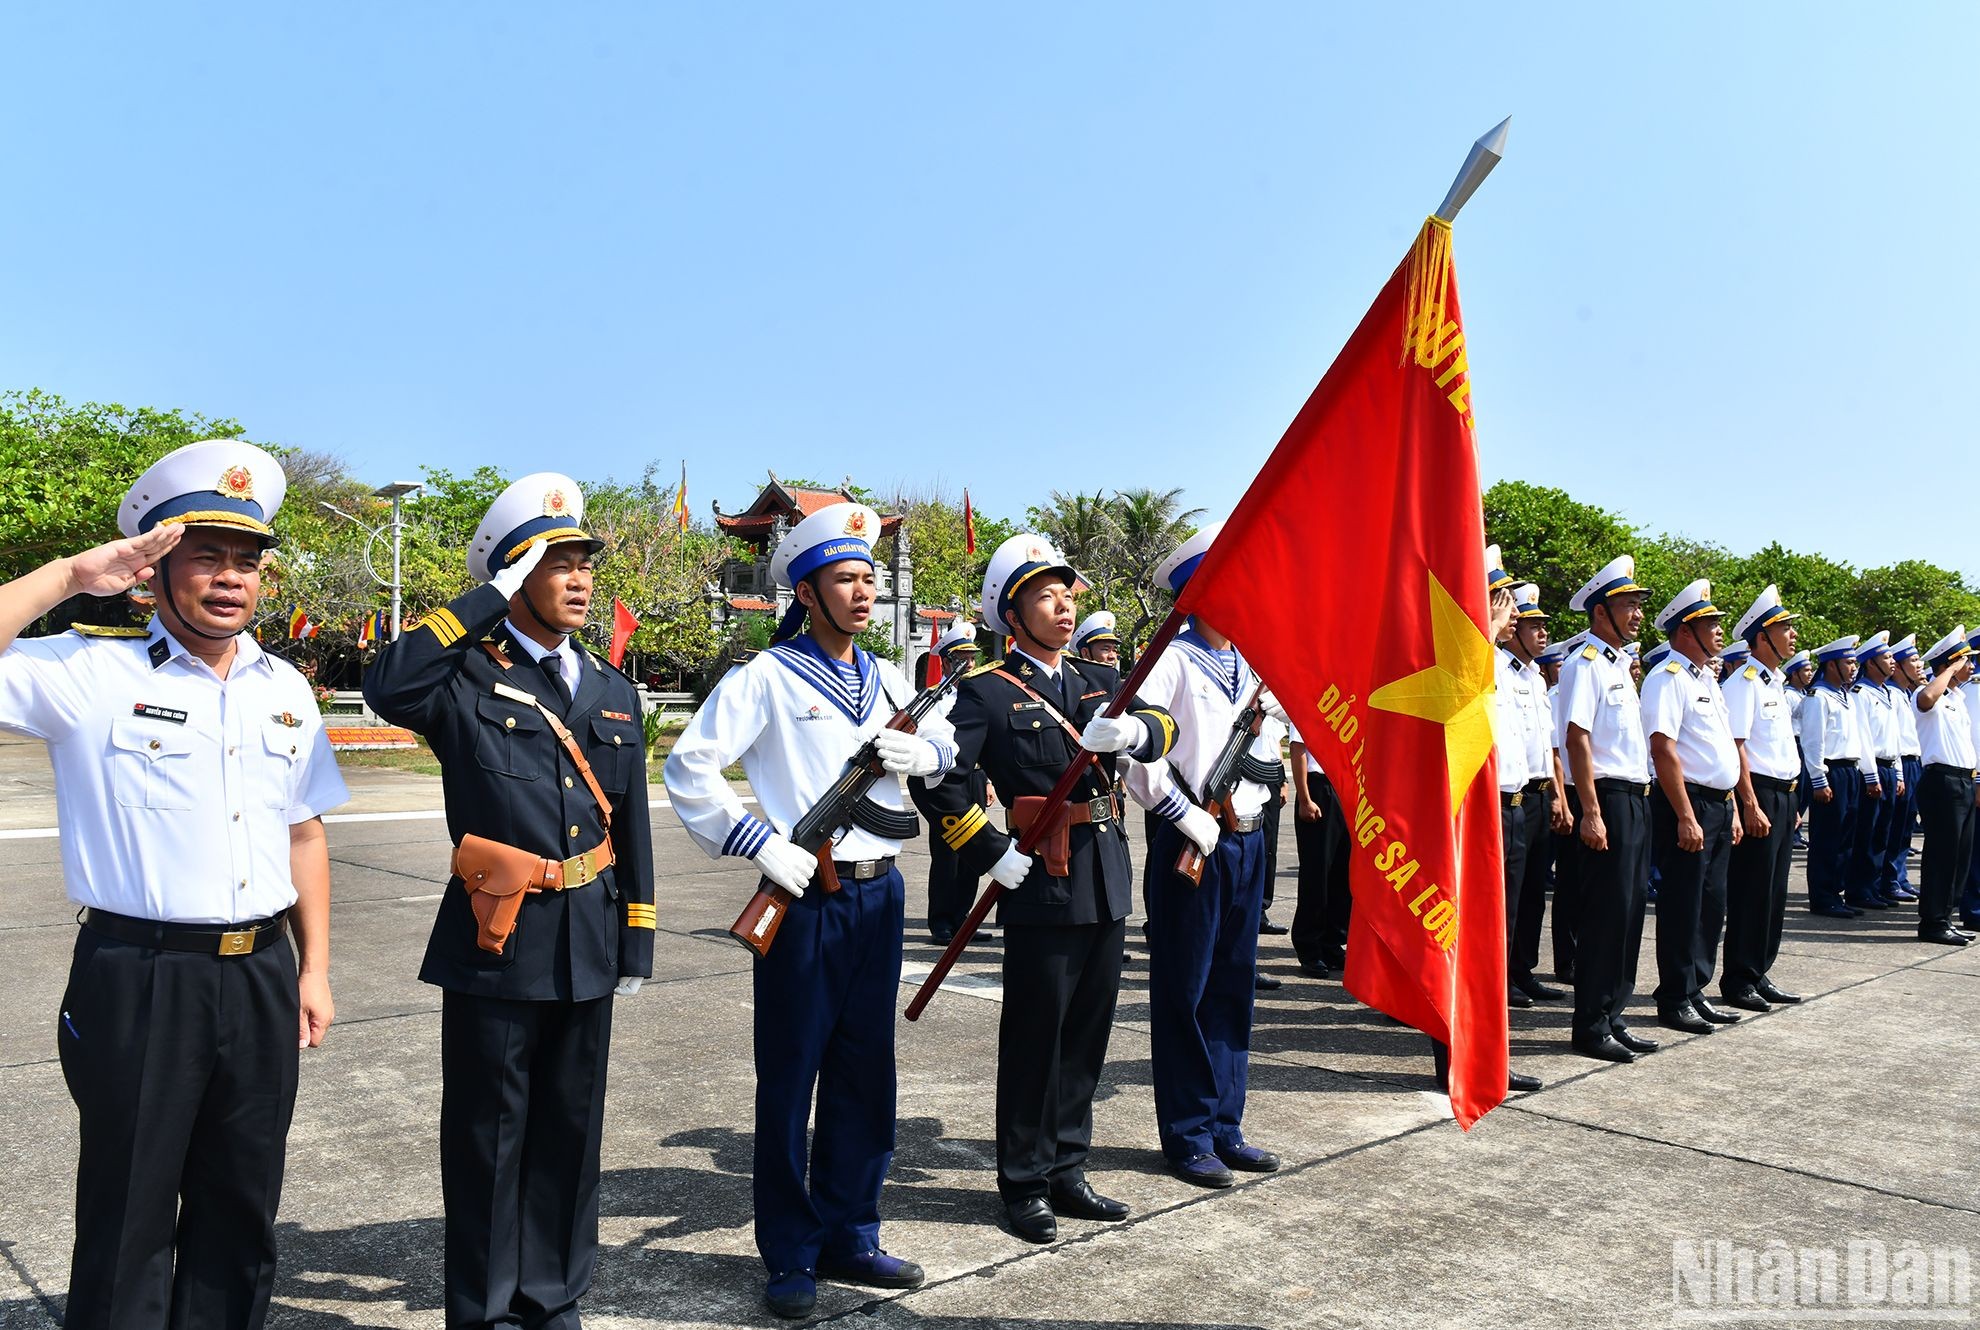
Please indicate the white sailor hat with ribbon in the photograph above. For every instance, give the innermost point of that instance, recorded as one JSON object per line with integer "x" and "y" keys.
{"x": 1617, "y": 578}
{"x": 1098, "y": 626}
{"x": 216, "y": 482}
{"x": 1765, "y": 611}
{"x": 1496, "y": 575}
{"x": 1634, "y": 650}
{"x": 1877, "y": 644}
{"x": 546, "y": 508}
{"x": 1949, "y": 649}
{"x": 1175, "y": 571}
{"x": 1526, "y": 602}
{"x": 1656, "y": 656}
{"x": 1691, "y": 604}
{"x": 1735, "y": 655}
{"x": 1840, "y": 649}
{"x": 960, "y": 634}
{"x": 1019, "y": 560}
{"x": 1799, "y": 660}
{"x": 1905, "y": 647}
{"x": 1555, "y": 653}
{"x": 833, "y": 534}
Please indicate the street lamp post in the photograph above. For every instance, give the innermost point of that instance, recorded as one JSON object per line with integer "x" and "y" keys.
{"x": 398, "y": 491}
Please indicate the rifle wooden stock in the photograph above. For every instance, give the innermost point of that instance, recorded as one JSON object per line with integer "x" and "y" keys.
{"x": 1029, "y": 840}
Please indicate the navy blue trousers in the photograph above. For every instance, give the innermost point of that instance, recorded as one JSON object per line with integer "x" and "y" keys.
{"x": 1904, "y": 821}
{"x": 1202, "y": 964}
{"x": 1832, "y": 835}
{"x": 825, "y": 1000}
{"x": 1869, "y": 855}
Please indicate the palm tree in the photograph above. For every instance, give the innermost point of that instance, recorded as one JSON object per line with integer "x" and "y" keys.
{"x": 1150, "y": 526}
{"x": 1083, "y": 528}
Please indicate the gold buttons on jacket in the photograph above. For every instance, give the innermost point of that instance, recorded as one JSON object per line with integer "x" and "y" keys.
{"x": 574, "y": 832}
{"x": 154, "y": 745}
{"x": 510, "y": 722}
{"x": 568, "y": 782}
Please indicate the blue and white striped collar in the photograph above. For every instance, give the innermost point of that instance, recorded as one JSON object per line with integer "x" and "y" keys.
{"x": 1226, "y": 668}
{"x": 803, "y": 657}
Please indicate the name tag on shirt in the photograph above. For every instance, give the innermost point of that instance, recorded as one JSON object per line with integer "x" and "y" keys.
{"x": 151, "y": 711}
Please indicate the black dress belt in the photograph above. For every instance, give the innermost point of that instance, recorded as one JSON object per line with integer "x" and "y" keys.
{"x": 863, "y": 870}
{"x": 241, "y": 940}
{"x": 1617, "y": 785}
{"x": 1539, "y": 785}
{"x": 1775, "y": 783}
{"x": 1707, "y": 793}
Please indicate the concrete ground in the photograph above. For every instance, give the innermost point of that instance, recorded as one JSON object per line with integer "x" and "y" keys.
{"x": 1847, "y": 1119}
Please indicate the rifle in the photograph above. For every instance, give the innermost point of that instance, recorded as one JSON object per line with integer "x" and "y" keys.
{"x": 1225, "y": 774}
{"x": 756, "y": 927}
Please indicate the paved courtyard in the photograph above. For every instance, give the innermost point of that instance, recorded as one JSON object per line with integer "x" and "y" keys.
{"x": 1849, "y": 1119}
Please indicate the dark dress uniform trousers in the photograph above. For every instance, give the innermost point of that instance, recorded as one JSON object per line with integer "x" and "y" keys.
{"x": 1832, "y": 835}
{"x": 1320, "y": 919}
{"x": 1691, "y": 893}
{"x": 1610, "y": 924}
{"x": 1945, "y": 808}
{"x": 1756, "y": 889}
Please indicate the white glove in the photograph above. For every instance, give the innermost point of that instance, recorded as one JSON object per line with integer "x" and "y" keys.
{"x": 786, "y": 865}
{"x": 907, "y": 754}
{"x": 510, "y": 579}
{"x": 1010, "y": 871}
{"x": 628, "y": 985}
{"x": 1273, "y": 707}
{"x": 1114, "y": 734}
{"x": 1200, "y": 828}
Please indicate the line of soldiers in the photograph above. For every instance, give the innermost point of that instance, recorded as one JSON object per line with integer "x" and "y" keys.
{"x": 1696, "y": 784}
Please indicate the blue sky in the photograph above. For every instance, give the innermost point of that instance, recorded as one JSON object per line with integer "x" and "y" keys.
{"x": 1721, "y": 282}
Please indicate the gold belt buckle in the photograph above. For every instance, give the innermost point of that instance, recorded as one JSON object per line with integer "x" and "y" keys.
{"x": 580, "y": 869}
{"x": 238, "y": 943}
{"x": 1519, "y": 797}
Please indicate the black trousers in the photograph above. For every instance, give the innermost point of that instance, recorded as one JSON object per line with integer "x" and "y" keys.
{"x": 1320, "y": 920}
{"x": 1609, "y": 929}
{"x": 522, "y": 1110}
{"x": 1691, "y": 893}
{"x": 1756, "y": 891}
{"x": 183, "y": 1070}
{"x": 1567, "y": 890}
{"x": 950, "y": 893}
{"x": 1273, "y": 813}
{"x": 1945, "y": 807}
{"x": 1526, "y": 895}
{"x": 1061, "y": 982}
{"x": 1512, "y": 855}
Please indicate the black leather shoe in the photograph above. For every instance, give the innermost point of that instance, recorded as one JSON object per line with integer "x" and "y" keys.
{"x": 1266, "y": 983}
{"x": 1536, "y": 990}
{"x": 1203, "y": 1170}
{"x": 1746, "y": 999}
{"x": 1248, "y": 1159}
{"x": 1080, "y": 1201}
{"x": 1636, "y": 1043}
{"x": 1684, "y": 1017}
{"x": 1833, "y": 912}
{"x": 1780, "y": 997}
{"x": 1270, "y": 929}
{"x": 941, "y": 937}
{"x": 874, "y": 1269}
{"x": 1604, "y": 1049}
{"x": 1945, "y": 936}
{"x": 1031, "y": 1219}
{"x": 1315, "y": 970}
{"x": 1515, "y": 998}
{"x": 1712, "y": 1013}
{"x": 1866, "y": 903}
{"x": 1520, "y": 1081}
{"x": 791, "y": 1295}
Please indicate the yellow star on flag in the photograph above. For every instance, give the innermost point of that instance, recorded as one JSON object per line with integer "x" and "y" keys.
{"x": 1456, "y": 692}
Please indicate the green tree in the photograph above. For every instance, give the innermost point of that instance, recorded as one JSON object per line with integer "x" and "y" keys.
{"x": 1086, "y": 529}
{"x": 660, "y": 571}
{"x": 945, "y": 572}
{"x": 1151, "y": 524}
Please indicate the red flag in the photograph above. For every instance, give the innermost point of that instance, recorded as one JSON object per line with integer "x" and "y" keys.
{"x": 969, "y": 525}
{"x": 623, "y": 627}
{"x": 1373, "y": 496}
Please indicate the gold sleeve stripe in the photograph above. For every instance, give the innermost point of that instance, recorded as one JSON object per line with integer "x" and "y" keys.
{"x": 957, "y": 830}
{"x": 641, "y": 916}
{"x": 445, "y": 626}
{"x": 1168, "y": 727}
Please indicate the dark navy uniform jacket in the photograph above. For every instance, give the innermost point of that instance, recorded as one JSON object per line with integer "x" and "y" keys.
{"x": 1024, "y": 751}
{"x": 508, "y": 778}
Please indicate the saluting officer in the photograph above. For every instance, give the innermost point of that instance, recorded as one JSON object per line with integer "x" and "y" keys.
{"x": 1543, "y": 804}
{"x": 1949, "y": 786}
{"x": 950, "y": 893}
{"x": 1874, "y": 698}
{"x": 1762, "y": 724}
{"x": 1832, "y": 754}
{"x": 1692, "y": 827}
{"x": 549, "y": 911}
{"x": 1065, "y": 920}
{"x": 825, "y": 991}
{"x": 192, "y": 772}
{"x": 1602, "y": 725}
{"x": 1203, "y": 936}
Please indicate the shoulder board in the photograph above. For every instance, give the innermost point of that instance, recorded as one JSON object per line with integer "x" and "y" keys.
{"x": 96, "y": 630}
{"x": 1589, "y": 653}
{"x": 1672, "y": 667}
{"x": 984, "y": 668}
{"x": 1750, "y": 672}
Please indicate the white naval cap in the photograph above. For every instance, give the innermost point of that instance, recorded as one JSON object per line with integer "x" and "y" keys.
{"x": 1839, "y": 649}
{"x": 1735, "y": 655}
{"x": 1688, "y": 605}
{"x": 1496, "y": 575}
{"x": 961, "y": 633}
{"x": 1877, "y": 644}
{"x": 1797, "y": 661}
{"x": 215, "y": 482}
{"x": 1174, "y": 572}
{"x": 1763, "y": 613}
{"x": 546, "y": 508}
{"x": 1656, "y": 656}
{"x": 1905, "y": 647}
{"x": 833, "y": 534}
{"x": 1634, "y": 650}
{"x": 1526, "y": 602}
{"x": 1098, "y": 626}
{"x": 1949, "y": 648}
{"x": 1617, "y": 578}
{"x": 1015, "y": 562}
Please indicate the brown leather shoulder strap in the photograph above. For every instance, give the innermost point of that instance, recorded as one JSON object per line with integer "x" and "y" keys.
{"x": 569, "y": 741}
{"x": 1033, "y": 694}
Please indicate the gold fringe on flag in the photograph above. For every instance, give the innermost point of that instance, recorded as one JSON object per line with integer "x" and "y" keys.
{"x": 1425, "y": 283}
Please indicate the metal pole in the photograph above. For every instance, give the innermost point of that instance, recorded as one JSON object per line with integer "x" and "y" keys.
{"x": 397, "y": 532}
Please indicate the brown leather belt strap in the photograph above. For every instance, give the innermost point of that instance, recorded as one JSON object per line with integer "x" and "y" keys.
{"x": 558, "y": 728}
{"x": 1078, "y": 812}
{"x": 557, "y": 874}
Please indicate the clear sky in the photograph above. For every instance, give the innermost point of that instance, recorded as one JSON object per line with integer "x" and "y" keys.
{"x": 1723, "y": 282}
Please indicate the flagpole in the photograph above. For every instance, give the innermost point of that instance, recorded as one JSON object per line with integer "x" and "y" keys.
{"x": 1478, "y": 163}
{"x": 1037, "y": 831}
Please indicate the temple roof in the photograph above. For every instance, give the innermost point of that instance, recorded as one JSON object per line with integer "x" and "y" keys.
{"x": 793, "y": 502}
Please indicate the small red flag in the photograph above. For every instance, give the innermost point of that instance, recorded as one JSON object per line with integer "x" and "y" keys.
{"x": 934, "y": 670}
{"x": 623, "y": 627}
{"x": 1373, "y": 493}
{"x": 969, "y": 525}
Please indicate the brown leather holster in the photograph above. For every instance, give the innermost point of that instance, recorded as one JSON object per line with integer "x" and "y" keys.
{"x": 498, "y": 876}
{"x": 1055, "y": 845}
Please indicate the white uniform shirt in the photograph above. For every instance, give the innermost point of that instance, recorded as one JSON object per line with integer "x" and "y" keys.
{"x": 1946, "y": 733}
{"x": 1509, "y": 724}
{"x": 1203, "y": 690}
{"x": 1597, "y": 695}
{"x": 1907, "y": 721}
{"x": 1880, "y": 728}
{"x": 567, "y": 656}
{"x": 1759, "y": 712}
{"x": 174, "y": 788}
{"x": 1830, "y": 732}
{"x": 1682, "y": 702}
{"x": 1970, "y": 698}
{"x": 792, "y": 719}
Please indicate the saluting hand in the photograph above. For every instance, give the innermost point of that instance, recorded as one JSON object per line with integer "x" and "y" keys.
{"x": 120, "y": 565}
